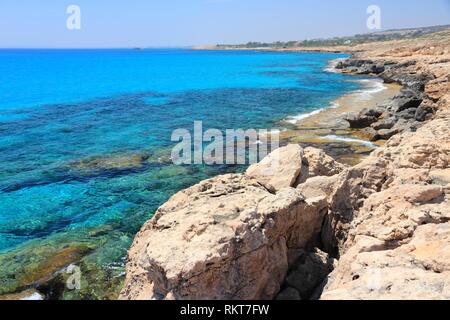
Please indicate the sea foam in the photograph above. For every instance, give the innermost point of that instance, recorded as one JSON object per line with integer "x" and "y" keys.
{"x": 297, "y": 118}
{"x": 351, "y": 140}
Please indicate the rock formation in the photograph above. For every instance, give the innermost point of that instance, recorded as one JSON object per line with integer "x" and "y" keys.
{"x": 299, "y": 225}
{"x": 389, "y": 215}
{"x": 232, "y": 237}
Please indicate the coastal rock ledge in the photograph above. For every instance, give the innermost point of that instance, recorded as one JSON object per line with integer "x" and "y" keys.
{"x": 311, "y": 228}
{"x": 230, "y": 237}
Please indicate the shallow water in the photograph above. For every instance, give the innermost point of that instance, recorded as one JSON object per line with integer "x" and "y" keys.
{"x": 85, "y": 144}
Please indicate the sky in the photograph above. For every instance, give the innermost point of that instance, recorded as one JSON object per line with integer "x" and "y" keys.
{"x": 178, "y": 23}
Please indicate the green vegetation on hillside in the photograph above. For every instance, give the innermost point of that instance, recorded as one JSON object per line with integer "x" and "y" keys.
{"x": 338, "y": 41}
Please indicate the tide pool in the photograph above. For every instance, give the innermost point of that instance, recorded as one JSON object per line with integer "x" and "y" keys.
{"x": 85, "y": 145}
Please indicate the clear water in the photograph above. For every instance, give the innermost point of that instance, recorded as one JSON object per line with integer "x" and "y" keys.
{"x": 85, "y": 144}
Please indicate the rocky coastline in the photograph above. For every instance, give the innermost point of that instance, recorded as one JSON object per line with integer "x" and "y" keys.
{"x": 313, "y": 228}
{"x": 404, "y": 112}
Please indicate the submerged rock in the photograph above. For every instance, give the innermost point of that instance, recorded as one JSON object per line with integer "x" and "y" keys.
{"x": 27, "y": 295}
{"x": 423, "y": 112}
{"x": 119, "y": 162}
{"x": 386, "y": 134}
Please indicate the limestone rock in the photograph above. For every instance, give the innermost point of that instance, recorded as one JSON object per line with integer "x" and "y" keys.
{"x": 317, "y": 163}
{"x": 280, "y": 169}
{"x": 384, "y": 124}
{"x": 420, "y": 270}
{"x": 225, "y": 238}
{"x": 395, "y": 244}
{"x": 320, "y": 186}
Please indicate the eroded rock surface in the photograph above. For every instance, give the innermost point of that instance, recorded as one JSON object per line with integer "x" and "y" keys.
{"x": 225, "y": 238}
{"x": 280, "y": 169}
{"x": 396, "y": 242}
{"x": 389, "y": 215}
{"x": 385, "y": 220}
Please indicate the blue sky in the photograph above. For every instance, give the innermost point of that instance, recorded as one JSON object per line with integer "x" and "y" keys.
{"x": 144, "y": 23}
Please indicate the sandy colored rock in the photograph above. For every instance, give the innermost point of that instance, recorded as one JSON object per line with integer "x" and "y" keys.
{"x": 317, "y": 163}
{"x": 389, "y": 215}
{"x": 318, "y": 186}
{"x": 26, "y": 295}
{"x": 387, "y": 219}
{"x": 225, "y": 238}
{"x": 280, "y": 169}
{"x": 404, "y": 209}
{"x": 419, "y": 270}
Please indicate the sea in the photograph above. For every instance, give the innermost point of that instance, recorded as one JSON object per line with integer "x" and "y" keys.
{"x": 85, "y": 145}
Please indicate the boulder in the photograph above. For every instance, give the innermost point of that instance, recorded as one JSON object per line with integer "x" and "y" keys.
{"x": 365, "y": 117}
{"x": 384, "y": 124}
{"x": 423, "y": 112}
{"x": 317, "y": 163}
{"x": 372, "y": 112}
{"x": 359, "y": 121}
{"x": 386, "y": 134}
{"x": 280, "y": 169}
{"x": 318, "y": 186}
{"x": 370, "y": 134}
{"x": 225, "y": 238}
{"x": 407, "y": 99}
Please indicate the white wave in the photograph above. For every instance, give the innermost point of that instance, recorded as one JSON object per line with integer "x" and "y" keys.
{"x": 372, "y": 87}
{"x": 352, "y": 140}
{"x": 33, "y": 297}
{"x": 331, "y": 67}
{"x": 297, "y": 118}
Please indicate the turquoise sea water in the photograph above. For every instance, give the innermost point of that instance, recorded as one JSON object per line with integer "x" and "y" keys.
{"x": 85, "y": 144}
